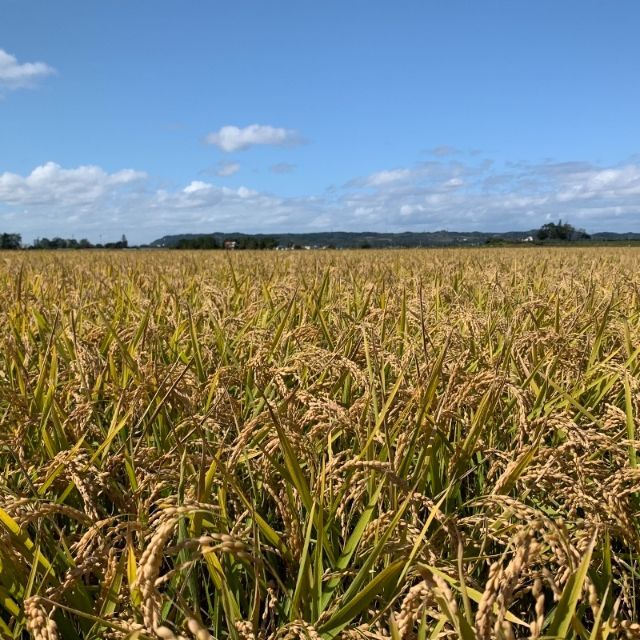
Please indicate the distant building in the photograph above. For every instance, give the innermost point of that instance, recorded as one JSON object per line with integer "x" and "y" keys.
{"x": 528, "y": 239}
{"x": 230, "y": 244}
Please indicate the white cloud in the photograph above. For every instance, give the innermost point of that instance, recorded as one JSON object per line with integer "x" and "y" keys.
{"x": 196, "y": 186}
{"x": 226, "y": 169}
{"x": 82, "y": 201}
{"x": 232, "y": 138}
{"x": 480, "y": 195}
{"x": 16, "y": 75}
{"x": 382, "y": 178}
{"x": 399, "y": 177}
{"x": 410, "y": 209}
{"x": 50, "y": 184}
{"x": 283, "y": 167}
{"x": 443, "y": 150}
{"x": 88, "y": 201}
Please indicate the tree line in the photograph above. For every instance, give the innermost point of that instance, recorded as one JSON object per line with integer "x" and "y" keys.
{"x": 72, "y": 243}
{"x": 12, "y": 241}
{"x": 210, "y": 242}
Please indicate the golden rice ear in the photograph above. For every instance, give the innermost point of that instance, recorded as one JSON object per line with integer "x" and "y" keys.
{"x": 39, "y": 624}
{"x": 357, "y": 445}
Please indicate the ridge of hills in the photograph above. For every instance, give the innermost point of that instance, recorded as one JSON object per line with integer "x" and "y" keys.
{"x": 367, "y": 239}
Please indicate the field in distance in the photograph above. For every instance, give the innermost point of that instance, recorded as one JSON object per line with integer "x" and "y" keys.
{"x": 410, "y": 444}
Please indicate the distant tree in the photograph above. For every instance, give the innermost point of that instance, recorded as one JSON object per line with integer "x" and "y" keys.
{"x": 199, "y": 242}
{"x": 10, "y": 241}
{"x": 561, "y": 232}
{"x": 268, "y": 243}
{"x": 59, "y": 243}
{"x": 253, "y": 242}
{"x": 495, "y": 240}
{"x": 121, "y": 244}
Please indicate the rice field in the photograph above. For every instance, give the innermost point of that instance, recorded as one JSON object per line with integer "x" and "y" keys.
{"x": 357, "y": 445}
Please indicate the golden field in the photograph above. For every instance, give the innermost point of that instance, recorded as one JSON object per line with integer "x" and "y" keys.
{"x": 403, "y": 444}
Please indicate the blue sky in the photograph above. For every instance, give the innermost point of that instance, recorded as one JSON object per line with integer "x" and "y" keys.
{"x": 155, "y": 117}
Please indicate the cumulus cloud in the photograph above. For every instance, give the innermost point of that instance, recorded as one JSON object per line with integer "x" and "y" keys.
{"x": 50, "y": 184}
{"x": 52, "y": 200}
{"x": 517, "y": 196}
{"x": 205, "y": 189}
{"x": 16, "y": 75}
{"x": 206, "y": 207}
{"x": 88, "y": 200}
{"x": 232, "y": 138}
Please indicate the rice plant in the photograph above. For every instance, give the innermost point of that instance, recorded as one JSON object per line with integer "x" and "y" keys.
{"x": 366, "y": 445}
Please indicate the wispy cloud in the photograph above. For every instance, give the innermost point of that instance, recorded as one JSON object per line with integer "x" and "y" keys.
{"x": 443, "y": 150}
{"x": 383, "y": 178}
{"x": 399, "y": 176}
{"x": 231, "y": 138}
{"x": 16, "y": 75}
{"x": 283, "y": 167}
{"x": 226, "y": 169}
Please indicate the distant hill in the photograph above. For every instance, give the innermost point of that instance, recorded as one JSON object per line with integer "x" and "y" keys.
{"x": 608, "y": 236}
{"x": 365, "y": 239}
{"x": 347, "y": 239}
